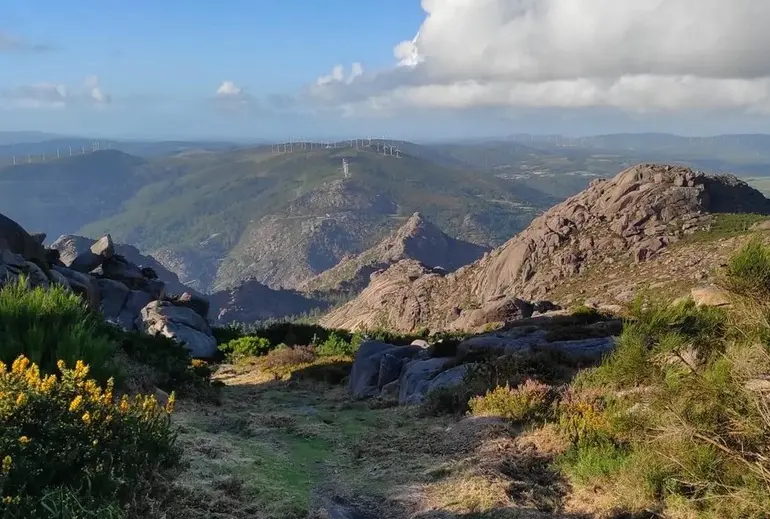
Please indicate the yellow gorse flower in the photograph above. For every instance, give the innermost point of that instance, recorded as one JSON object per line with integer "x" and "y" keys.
{"x": 76, "y": 403}
{"x": 24, "y": 440}
{"x": 19, "y": 365}
{"x": 7, "y": 464}
{"x": 21, "y": 399}
{"x": 86, "y": 418}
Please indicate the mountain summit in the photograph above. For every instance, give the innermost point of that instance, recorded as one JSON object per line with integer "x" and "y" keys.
{"x": 632, "y": 217}
{"x": 418, "y": 239}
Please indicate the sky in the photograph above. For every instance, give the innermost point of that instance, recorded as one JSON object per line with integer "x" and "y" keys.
{"x": 274, "y": 69}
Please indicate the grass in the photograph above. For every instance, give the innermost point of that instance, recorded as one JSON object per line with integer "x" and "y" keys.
{"x": 47, "y": 325}
{"x": 669, "y": 418}
{"x": 725, "y": 225}
{"x": 275, "y": 447}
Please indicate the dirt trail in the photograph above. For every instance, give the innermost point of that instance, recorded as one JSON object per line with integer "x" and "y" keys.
{"x": 285, "y": 449}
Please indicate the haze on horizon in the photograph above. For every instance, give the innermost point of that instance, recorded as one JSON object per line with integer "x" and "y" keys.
{"x": 430, "y": 69}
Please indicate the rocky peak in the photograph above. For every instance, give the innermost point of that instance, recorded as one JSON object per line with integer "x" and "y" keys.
{"x": 417, "y": 239}
{"x": 635, "y": 215}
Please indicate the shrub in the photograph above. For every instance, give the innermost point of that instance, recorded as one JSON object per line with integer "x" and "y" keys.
{"x": 656, "y": 333}
{"x": 527, "y": 402}
{"x": 68, "y": 435}
{"x": 446, "y": 401}
{"x": 748, "y": 271}
{"x": 582, "y": 417}
{"x": 243, "y": 347}
{"x": 337, "y": 346}
{"x": 50, "y": 324}
{"x": 548, "y": 366}
{"x": 285, "y": 357}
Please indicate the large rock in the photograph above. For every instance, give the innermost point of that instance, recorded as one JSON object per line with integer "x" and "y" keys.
{"x": 710, "y": 296}
{"x": 82, "y": 284}
{"x": 182, "y": 324}
{"x": 198, "y": 303}
{"x": 85, "y": 262}
{"x": 113, "y": 296}
{"x": 104, "y": 247}
{"x": 70, "y": 247}
{"x": 365, "y": 374}
{"x": 448, "y": 379}
{"x": 35, "y": 275}
{"x": 136, "y": 300}
{"x": 14, "y": 238}
{"x": 416, "y": 379}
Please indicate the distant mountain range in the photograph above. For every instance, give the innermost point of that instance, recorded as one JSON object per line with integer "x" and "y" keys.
{"x": 219, "y": 214}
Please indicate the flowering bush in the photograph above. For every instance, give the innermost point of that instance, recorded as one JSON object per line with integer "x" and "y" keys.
{"x": 527, "y": 401}
{"x": 69, "y": 432}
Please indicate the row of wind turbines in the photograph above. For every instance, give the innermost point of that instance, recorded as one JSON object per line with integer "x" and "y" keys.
{"x": 368, "y": 144}
{"x": 68, "y": 151}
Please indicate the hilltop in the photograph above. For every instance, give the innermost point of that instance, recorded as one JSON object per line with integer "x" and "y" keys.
{"x": 629, "y": 219}
{"x": 418, "y": 239}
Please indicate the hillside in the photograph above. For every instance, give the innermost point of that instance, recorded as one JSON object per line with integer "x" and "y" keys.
{"x": 60, "y": 196}
{"x": 284, "y": 218}
{"x": 632, "y": 217}
{"x": 418, "y": 239}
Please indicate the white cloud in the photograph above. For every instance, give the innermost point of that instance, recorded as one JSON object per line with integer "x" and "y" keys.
{"x": 229, "y": 89}
{"x": 338, "y": 76}
{"x": 55, "y": 95}
{"x": 641, "y": 55}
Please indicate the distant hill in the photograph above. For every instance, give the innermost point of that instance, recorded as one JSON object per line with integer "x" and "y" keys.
{"x": 283, "y": 218}
{"x": 25, "y": 137}
{"x": 60, "y": 196}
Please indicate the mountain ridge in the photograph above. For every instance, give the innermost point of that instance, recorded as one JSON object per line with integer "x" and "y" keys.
{"x": 640, "y": 212}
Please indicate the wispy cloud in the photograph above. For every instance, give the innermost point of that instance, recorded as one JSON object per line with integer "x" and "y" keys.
{"x": 55, "y": 95}
{"x": 12, "y": 43}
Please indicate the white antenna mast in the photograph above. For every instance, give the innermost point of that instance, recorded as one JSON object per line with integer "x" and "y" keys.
{"x": 345, "y": 168}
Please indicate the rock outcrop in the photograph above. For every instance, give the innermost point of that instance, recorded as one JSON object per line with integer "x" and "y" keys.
{"x": 252, "y": 302}
{"x": 71, "y": 246}
{"x": 635, "y": 215}
{"x": 128, "y": 295}
{"x": 418, "y": 239}
{"x": 408, "y": 374}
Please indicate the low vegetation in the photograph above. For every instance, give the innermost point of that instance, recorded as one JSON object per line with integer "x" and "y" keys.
{"x": 526, "y": 402}
{"x": 47, "y": 325}
{"x": 70, "y": 448}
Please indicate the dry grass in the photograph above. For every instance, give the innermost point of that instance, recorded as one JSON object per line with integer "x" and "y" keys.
{"x": 275, "y": 448}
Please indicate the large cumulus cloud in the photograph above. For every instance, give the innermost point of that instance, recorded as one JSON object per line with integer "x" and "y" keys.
{"x": 638, "y": 55}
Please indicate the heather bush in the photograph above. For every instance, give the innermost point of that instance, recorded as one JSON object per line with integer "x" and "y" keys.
{"x": 529, "y": 401}
{"x": 66, "y": 441}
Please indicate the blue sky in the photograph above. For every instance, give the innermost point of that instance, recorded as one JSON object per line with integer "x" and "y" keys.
{"x": 265, "y": 68}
